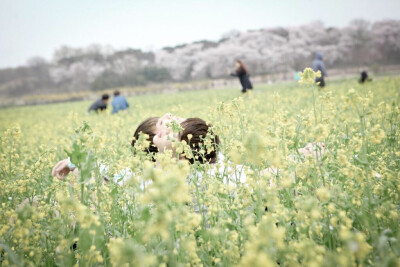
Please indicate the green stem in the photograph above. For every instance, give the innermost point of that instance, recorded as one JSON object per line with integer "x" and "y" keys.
{"x": 82, "y": 192}
{"x": 315, "y": 110}
{"x": 240, "y": 119}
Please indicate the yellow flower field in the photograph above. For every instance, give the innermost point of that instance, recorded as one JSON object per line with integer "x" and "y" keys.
{"x": 341, "y": 209}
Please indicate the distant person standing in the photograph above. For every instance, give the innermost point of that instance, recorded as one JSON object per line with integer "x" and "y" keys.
{"x": 318, "y": 65}
{"x": 364, "y": 77}
{"x": 100, "y": 104}
{"x": 119, "y": 102}
{"x": 243, "y": 75}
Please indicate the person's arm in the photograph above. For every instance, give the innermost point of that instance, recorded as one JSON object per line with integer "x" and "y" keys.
{"x": 127, "y": 104}
{"x": 63, "y": 168}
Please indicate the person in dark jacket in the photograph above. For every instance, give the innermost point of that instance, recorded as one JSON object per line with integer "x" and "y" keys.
{"x": 364, "y": 77}
{"x": 243, "y": 75}
{"x": 100, "y": 104}
{"x": 318, "y": 65}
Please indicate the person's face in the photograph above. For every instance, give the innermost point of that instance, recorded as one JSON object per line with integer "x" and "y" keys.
{"x": 164, "y": 138}
{"x": 164, "y": 134}
{"x": 106, "y": 101}
{"x": 237, "y": 65}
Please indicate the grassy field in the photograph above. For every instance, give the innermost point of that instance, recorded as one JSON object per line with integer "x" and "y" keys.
{"x": 339, "y": 210}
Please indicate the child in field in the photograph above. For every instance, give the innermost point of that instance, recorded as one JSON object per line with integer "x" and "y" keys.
{"x": 161, "y": 137}
{"x": 197, "y": 134}
{"x": 194, "y": 132}
{"x": 196, "y": 128}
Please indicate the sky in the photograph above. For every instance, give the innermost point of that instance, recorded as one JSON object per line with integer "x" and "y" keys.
{"x": 30, "y": 28}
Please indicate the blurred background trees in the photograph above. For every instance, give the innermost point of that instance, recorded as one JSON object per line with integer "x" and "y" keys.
{"x": 265, "y": 51}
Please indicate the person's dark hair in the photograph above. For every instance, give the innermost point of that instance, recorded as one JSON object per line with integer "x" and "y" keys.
{"x": 148, "y": 127}
{"x": 105, "y": 96}
{"x": 116, "y": 92}
{"x": 198, "y": 129}
{"x": 242, "y": 67}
